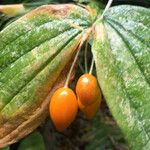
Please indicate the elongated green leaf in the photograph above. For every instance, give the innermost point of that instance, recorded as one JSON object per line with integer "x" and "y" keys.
{"x": 122, "y": 53}
{"x": 34, "y": 50}
{"x": 34, "y": 141}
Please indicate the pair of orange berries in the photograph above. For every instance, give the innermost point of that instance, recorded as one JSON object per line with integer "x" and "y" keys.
{"x": 64, "y": 103}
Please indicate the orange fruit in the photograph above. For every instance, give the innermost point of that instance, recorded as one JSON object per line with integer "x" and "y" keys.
{"x": 87, "y": 89}
{"x": 63, "y": 108}
{"x": 90, "y": 110}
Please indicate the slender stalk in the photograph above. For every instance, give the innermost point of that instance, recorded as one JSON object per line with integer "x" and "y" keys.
{"x": 92, "y": 66}
{"x": 85, "y": 57}
{"x": 72, "y": 66}
{"x": 106, "y": 8}
{"x": 101, "y": 17}
{"x": 85, "y": 36}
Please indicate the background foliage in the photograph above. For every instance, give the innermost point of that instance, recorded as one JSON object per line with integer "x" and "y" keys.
{"x": 101, "y": 133}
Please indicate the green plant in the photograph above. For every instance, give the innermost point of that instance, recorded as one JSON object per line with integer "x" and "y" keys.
{"x": 121, "y": 51}
{"x": 32, "y": 65}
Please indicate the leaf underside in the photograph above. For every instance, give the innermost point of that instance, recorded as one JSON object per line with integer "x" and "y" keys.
{"x": 34, "y": 141}
{"x": 122, "y": 53}
{"x": 34, "y": 50}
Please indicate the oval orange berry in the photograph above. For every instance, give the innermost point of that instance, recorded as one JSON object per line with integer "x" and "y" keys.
{"x": 63, "y": 108}
{"x": 90, "y": 110}
{"x": 87, "y": 89}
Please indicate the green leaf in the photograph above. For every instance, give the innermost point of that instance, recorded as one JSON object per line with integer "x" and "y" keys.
{"x": 122, "y": 54}
{"x": 35, "y": 53}
{"x": 6, "y": 148}
{"x": 103, "y": 134}
{"x": 34, "y": 141}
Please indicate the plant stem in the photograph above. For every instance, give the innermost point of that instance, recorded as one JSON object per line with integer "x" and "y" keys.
{"x": 85, "y": 36}
{"x": 85, "y": 57}
{"x": 72, "y": 66}
{"x": 106, "y": 8}
{"x": 101, "y": 17}
{"x": 92, "y": 65}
